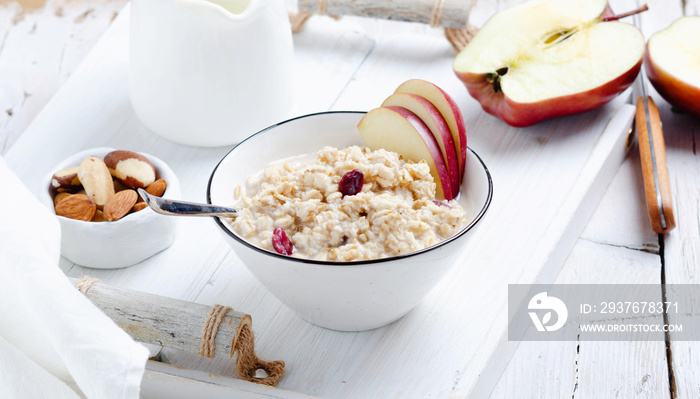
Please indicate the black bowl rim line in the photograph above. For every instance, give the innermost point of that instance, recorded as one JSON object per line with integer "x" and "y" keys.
{"x": 471, "y": 225}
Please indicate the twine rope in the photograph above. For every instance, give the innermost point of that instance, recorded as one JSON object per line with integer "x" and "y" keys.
{"x": 458, "y": 37}
{"x": 85, "y": 284}
{"x": 248, "y": 363}
{"x": 436, "y": 13}
{"x": 298, "y": 20}
{"x": 211, "y": 327}
{"x": 322, "y": 7}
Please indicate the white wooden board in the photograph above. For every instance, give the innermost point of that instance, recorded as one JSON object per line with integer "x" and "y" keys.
{"x": 41, "y": 43}
{"x": 681, "y": 254}
{"x": 548, "y": 180}
{"x": 592, "y": 369}
{"x": 619, "y": 246}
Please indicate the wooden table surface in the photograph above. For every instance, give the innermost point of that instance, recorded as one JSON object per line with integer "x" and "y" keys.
{"x": 43, "y": 42}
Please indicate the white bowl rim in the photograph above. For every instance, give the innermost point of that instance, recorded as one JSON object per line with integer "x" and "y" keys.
{"x": 464, "y": 230}
{"x": 47, "y": 198}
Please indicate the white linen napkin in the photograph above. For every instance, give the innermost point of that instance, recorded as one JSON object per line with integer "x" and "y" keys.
{"x": 54, "y": 342}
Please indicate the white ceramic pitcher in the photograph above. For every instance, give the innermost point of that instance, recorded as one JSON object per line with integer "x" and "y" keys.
{"x": 210, "y": 72}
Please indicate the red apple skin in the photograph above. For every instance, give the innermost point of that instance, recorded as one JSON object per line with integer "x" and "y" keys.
{"x": 608, "y": 12}
{"x": 452, "y": 162}
{"x": 462, "y": 131}
{"x": 680, "y": 94}
{"x": 423, "y": 88}
{"x": 442, "y": 180}
{"x": 430, "y": 140}
{"x": 526, "y": 114}
{"x": 441, "y": 132}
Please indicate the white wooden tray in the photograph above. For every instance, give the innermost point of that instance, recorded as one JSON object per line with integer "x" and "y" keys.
{"x": 548, "y": 179}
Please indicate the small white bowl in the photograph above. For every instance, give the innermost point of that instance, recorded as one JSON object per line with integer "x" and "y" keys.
{"x": 348, "y": 296}
{"x": 121, "y": 243}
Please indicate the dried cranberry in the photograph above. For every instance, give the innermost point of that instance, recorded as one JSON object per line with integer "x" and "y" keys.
{"x": 440, "y": 203}
{"x": 280, "y": 242}
{"x": 351, "y": 183}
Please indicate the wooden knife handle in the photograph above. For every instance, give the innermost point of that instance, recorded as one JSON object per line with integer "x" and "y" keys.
{"x": 659, "y": 202}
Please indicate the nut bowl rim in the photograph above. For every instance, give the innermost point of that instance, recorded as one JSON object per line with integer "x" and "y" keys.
{"x": 221, "y": 224}
{"x": 139, "y": 236}
{"x": 46, "y": 197}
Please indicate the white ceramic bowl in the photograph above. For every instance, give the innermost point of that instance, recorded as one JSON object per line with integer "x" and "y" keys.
{"x": 121, "y": 243}
{"x": 348, "y": 296}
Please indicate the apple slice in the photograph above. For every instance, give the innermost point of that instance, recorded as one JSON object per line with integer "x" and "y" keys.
{"x": 400, "y": 130}
{"x": 449, "y": 110}
{"x": 673, "y": 63}
{"x": 547, "y": 58}
{"x": 432, "y": 118}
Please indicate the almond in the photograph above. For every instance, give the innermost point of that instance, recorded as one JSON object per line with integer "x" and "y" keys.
{"x": 66, "y": 179}
{"x": 59, "y": 197}
{"x": 99, "y": 216}
{"x": 96, "y": 180}
{"x": 157, "y": 188}
{"x": 138, "y": 206}
{"x": 77, "y": 206}
{"x": 120, "y": 205}
{"x": 132, "y": 169}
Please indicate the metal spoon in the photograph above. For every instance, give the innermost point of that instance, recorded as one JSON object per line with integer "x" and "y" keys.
{"x": 181, "y": 208}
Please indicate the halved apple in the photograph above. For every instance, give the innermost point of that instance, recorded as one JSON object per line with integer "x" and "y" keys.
{"x": 547, "y": 58}
{"x": 432, "y": 118}
{"x": 449, "y": 110}
{"x": 673, "y": 63}
{"x": 400, "y": 130}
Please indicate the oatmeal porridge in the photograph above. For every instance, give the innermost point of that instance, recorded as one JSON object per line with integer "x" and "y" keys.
{"x": 347, "y": 205}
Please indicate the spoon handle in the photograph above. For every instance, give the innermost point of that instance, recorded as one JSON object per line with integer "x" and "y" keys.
{"x": 182, "y": 208}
